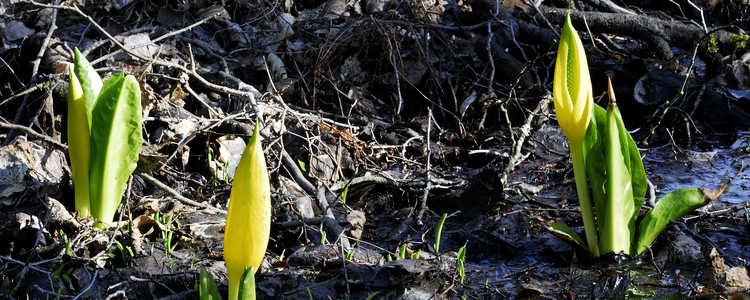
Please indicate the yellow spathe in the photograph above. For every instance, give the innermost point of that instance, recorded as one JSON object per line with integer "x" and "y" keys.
{"x": 249, "y": 214}
{"x": 79, "y": 144}
{"x": 572, "y": 90}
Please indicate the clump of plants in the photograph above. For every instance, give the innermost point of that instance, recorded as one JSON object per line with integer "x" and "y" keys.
{"x": 104, "y": 137}
{"x": 607, "y": 165}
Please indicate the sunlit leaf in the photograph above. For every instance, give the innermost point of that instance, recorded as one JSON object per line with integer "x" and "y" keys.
{"x": 671, "y": 207}
{"x": 207, "y": 287}
{"x": 619, "y": 207}
{"x": 90, "y": 81}
{"x": 247, "y": 285}
{"x": 116, "y": 140}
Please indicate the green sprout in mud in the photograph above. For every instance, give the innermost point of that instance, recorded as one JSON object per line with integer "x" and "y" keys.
{"x": 461, "y": 258}
{"x": 607, "y": 165}
{"x": 438, "y": 233}
{"x": 349, "y": 255}
{"x": 67, "y": 242}
{"x": 167, "y": 235}
{"x": 343, "y": 196}
{"x": 416, "y": 255}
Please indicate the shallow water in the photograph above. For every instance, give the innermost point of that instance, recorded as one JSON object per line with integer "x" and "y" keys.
{"x": 670, "y": 168}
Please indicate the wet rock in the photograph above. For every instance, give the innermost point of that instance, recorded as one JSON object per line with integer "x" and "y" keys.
{"x": 311, "y": 255}
{"x": 60, "y": 217}
{"x": 327, "y": 254}
{"x": 717, "y": 277}
{"x": 684, "y": 252}
{"x": 27, "y": 166}
{"x": 294, "y": 193}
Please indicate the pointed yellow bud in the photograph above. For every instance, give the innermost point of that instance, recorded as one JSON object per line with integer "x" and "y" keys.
{"x": 572, "y": 85}
{"x": 79, "y": 144}
{"x": 249, "y": 214}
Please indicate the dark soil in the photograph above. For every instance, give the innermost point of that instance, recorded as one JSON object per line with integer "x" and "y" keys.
{"x": 378, "y": 117}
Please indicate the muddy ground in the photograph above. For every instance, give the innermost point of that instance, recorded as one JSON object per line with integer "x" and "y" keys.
{"x": 378, "y": 117}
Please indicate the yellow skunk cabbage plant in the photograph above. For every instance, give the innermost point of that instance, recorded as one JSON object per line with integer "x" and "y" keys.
{"x": 104, "y": 137}
{"x": 607, "y": 165}
{"x": 248, "y": 216}
{"x": 572, "y": 94}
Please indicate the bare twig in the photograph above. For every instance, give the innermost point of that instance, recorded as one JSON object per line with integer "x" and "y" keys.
{"x": 177, "y": 195}
{"x": 34, "y": 71}
{"x": 427, "y": 187}
{"x": 389, "y": 181}
{"x": 32, "y": 132}
{"x": 219, "y": 88}
{"x": 525, "y": 131}
{"x": 85, "y": 291}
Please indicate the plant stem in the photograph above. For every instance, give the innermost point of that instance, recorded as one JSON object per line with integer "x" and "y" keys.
{"x": 584, "y": 199}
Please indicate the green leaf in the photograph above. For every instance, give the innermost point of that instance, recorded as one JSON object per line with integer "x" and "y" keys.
{"x": 207, "y": 287}
{"x": 619, "y": 208}
{"x": 671, "y": 207}
{"x": 116, "y": 140}
{"x": 596, "y": 169}
{"x": 564, "y": 232}
{"x": 90, "y": 81}
{"x": 438, "y": 233}
{"x": 247, "y": 285}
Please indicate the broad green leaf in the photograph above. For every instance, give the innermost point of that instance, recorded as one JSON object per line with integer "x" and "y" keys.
{"x": 616, "y": 213}
{"x": 207, "y": 287}
{"x": 90, "y": 82}
{"x": 79, "y": 144}
{"x": 671, "y": 207}
{"x": 637, "y": 173}
{"x": 633, "y": 162}
{"x": 247, "y": 285}
{"x": 116, "y": 140}
{"x": 249, "y": 214}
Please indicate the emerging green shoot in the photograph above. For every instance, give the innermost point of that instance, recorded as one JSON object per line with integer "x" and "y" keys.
{"x": 461, "y": 258}
{"x": 247, "y": 285}
{"x": 438, "y": 233}
{"x": 207, "y": 287}
{"x": 104, "y": 137}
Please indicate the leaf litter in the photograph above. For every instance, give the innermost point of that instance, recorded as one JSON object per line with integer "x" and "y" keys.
{"x": 347, "y": 87}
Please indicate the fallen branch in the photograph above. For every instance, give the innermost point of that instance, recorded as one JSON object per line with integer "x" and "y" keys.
{"x": 399, "y": 183}
{"x": 177, "y": 195}
{"x": 659, "y": 34}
